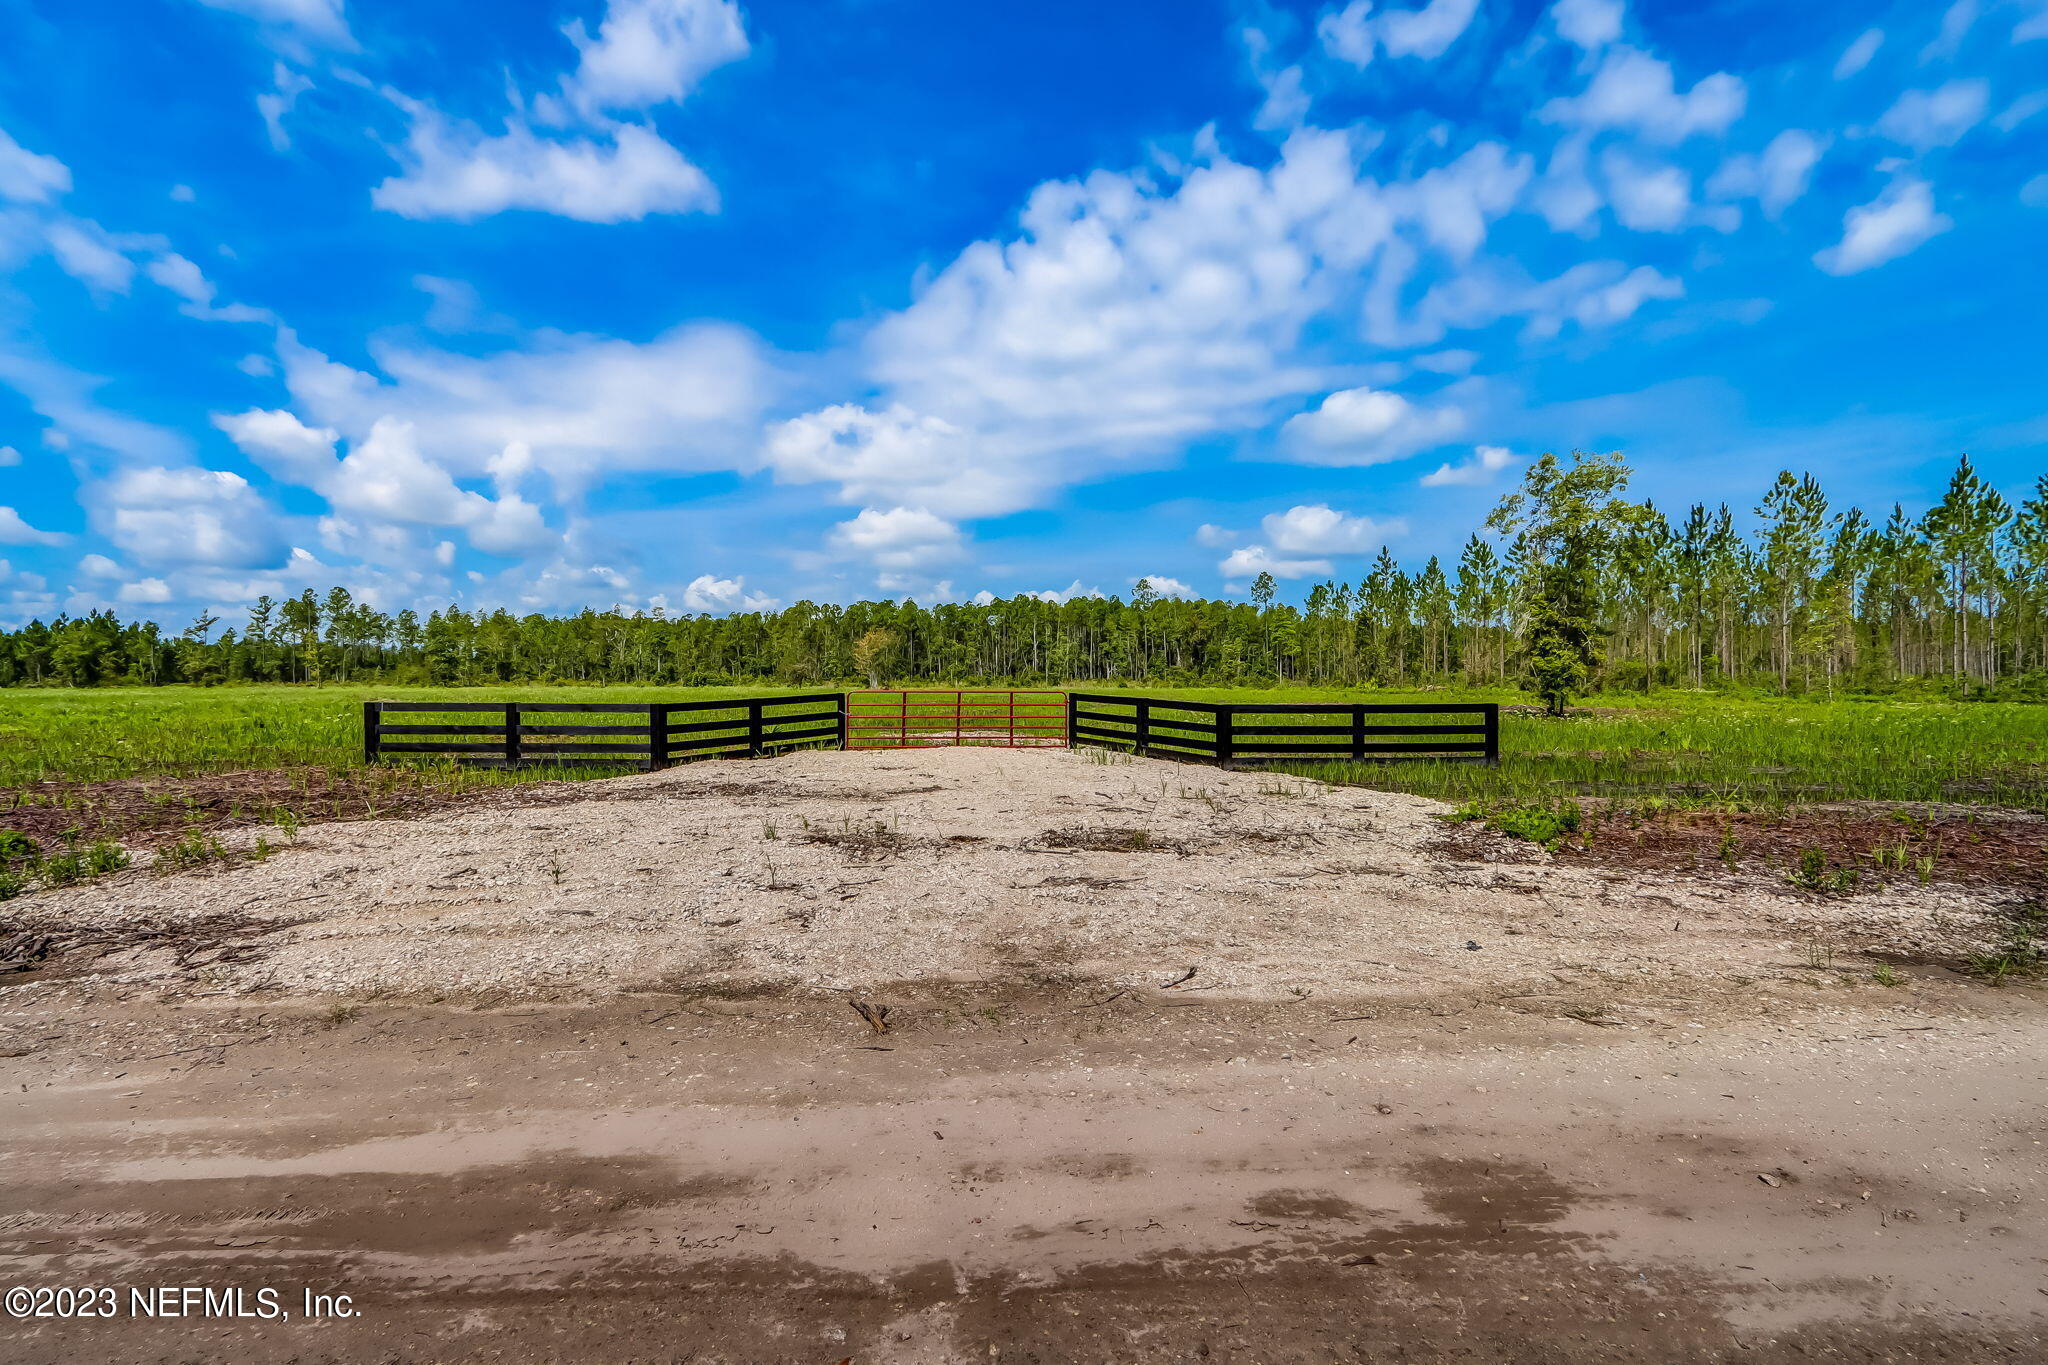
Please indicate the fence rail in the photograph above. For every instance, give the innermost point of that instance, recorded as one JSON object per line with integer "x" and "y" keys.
{"x": 1266, "y": 732}
{"x": 988, "y": 717}
{"x": 654, "y": 735}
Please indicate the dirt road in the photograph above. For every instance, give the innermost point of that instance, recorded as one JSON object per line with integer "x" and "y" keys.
{"x": 1600, "y": 1135}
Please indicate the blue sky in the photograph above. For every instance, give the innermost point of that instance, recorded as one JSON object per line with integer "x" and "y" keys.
{"x": 714, "y": 304}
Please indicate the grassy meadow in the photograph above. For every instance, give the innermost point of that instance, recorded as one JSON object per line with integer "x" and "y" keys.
{"x": 1683, "y": 748}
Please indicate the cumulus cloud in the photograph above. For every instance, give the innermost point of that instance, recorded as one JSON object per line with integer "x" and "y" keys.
{"x": 648, "y": 52}
{"x": 1131, "y": 316}
{"x": 1321, "y": 530}
{"x": 1354, "y": 33}
{"x": 895, "y": 456}
{"x": 283, "y": 445}
{"x": 191, "y": 516}
{"x": 455, "y": 170}
{"x": 1922, "y": 119}
{"x": 688, "y": 400}
{"x": 15, "y": 531}
{"x": 9, "y": 457}
{"x": 386, "y": 481}
{"x": 1161, "y": 585}
{"x": 29, "y": 177}
{"x": 1589, "y": 23}
{"x": 1253, "y": 560}
{"x": 1216, "y": 537}
{"x": 1633, "y": 90}
{"x": 1486, "y": 462}
{"x": 1367, "y": 426}
{"x": 1648, "y": 196}
{"x": 590, "y": 167}
{"x": 710, "y": 593}
{"x": 901, "y": 538}
{"x": 1776, "y": 178}
{"x": 1885, "y": 229}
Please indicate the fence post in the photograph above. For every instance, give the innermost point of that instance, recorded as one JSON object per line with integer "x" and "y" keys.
{"x": 1226, "y": 741}
{"x": 1072, "y": 706}
{"x": 1493, "y": 733}
{"x": 511, "y": 734}
{"x": 370, "y": 735}
{"x": 1143, "y": 726}
{"x": 845, "y": 705}
{"x": 657, "y": 737}
{"x": 754, "y": 737}
{"x": 1358, "y": 733}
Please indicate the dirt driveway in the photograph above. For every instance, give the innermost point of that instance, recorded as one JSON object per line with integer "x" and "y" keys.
{"x": 605, "y": 1095}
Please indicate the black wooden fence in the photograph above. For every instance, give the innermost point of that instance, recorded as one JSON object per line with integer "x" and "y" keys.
{"x": 653, "y": 735}
{"x": 1266, "y": 732}
{"x": 643, "y": 735}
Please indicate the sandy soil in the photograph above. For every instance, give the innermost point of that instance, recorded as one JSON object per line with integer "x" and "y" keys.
{"x": 843, "y": 871}
{"x": 580, "y": 1079}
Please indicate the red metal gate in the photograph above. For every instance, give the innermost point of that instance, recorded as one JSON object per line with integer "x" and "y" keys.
{"x": 923, "y": 719}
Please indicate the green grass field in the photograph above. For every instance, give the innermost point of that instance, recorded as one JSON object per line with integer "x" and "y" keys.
{"x": 1680, "y": 747}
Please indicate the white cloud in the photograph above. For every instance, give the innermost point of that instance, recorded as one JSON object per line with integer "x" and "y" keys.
{"x": 1215, "y": 537}
{"x": 649, "y": 52}
{"x": 1588, "y": 23}
{"x": 1885, "y": 229}
{"x": 182, "y": 278}
{"x": 182, "y": 194}
{"x": 2034, "y": 194}
{"x": 1486, "y": 462}
{"x": 99, "y": 566}
{"x": 1131, "y": 317}
{"x": 1367, "y": 426}
{"x": 1956, "y": 23}
{"x": 1775, "y": 179}
{"x": 2033, "y": 27}
{"x": 144, "y": 592}
{"x": 1161, "y": 585}
{"x": 1936, "y": 118}
{"x": 1321, "y": 530}
{"x": 1349, "y": 34}
{"x": 688, "y": 400}
{"x": 1592, "y": 294}
{"x": 9, "y": 457}
{"x": 709, "y": 593}
{"x": 901, "y": 538}
{"x": 15, "y": 531}
{"x": 385, "y": 478}
{"x": 594, "y": 169}
{"x": 188, "y": 516}
{"x": 1647, "y": 196}
{"x": 282, "y": 444}
{"x": 1427, "y": 32}
{"x": 1565, "y": 195}
{"x": 455, "y": 170}
{"x": 28, "y": 177}
{"x": 89, "y": 255}
{"x": 1253, "y": 560}
{"x": 321, "y": 19}
{"x": 275, "y": 103}
{"x": 1857, "y": 55}
{"x": 2020, "y": 110}
{"x": 1454, "y": 203}
{"x": 895, "y": 456}
{"x": 1352, "y": 34}
{"x": 1635, "y": 90}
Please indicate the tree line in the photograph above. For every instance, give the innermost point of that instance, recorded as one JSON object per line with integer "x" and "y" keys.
{"x": 1570, "y": 586}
